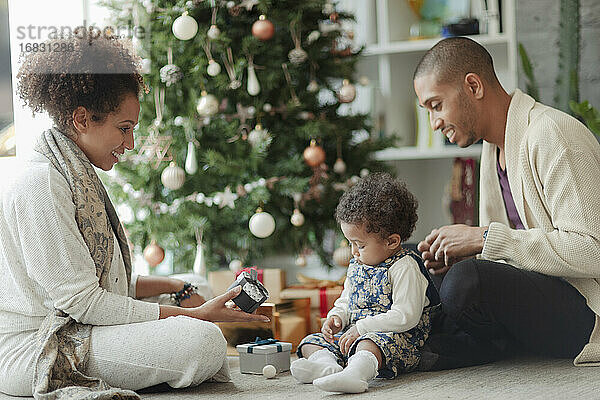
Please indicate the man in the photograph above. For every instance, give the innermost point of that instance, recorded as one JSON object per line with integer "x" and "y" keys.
{"x": 535, "y": 283}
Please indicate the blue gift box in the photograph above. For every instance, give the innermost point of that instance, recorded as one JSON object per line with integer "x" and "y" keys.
{"x": 254, "y": 356}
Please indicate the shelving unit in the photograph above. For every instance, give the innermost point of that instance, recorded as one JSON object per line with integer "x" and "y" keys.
{"x": 389, "y": 60}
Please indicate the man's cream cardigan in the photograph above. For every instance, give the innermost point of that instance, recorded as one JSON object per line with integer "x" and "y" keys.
{"x": 553, "y": 164}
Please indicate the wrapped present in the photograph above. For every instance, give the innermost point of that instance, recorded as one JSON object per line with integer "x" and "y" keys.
{"x": 253, "y": 292}
{"x": 254, "y": 356}
{"x": 321, "y": 300}
{"x": 273, "y": 280}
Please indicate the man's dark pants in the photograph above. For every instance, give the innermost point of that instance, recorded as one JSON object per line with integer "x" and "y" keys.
{"x": 493, "y": 310}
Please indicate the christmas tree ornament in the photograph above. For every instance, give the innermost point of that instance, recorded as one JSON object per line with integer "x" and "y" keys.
{"x": 313, "y": 37}
{"x": 269, "y": 371}
{"x": 364, "y": 172}
{"x": 347, "y": 92}
{"x": 235, "y": 82}
{"x": 301, "y": 261}
{"x": 339, "y": 167}
{"x": 199, "y": 267}
{"x": 261, "y": 224}
{"x": 191, "y": 162}
{"x": 364, "y": 80}
{"x": 145, "y": 66}
{"x": 328, "y": 8}
{"x": 207, "y": 105}
{"x": 297, "y": 55}
{"x": 313, "y": 86}
{"x": 170, "y": 73}
{"x": 297, "y": 218}
{"x": 173, "y": 177}
{"x": 213, "y": 68}
{"x": 263, "y": 29}
{"x": 225, "y": 198}
{"x": 253, "y": 85}
{"x": 259, "y": 137}
{"x": 343, "y": 254}
{"x": 235, "y": 265}
{"x": 288, "y": 79}
{"x": 213, "y": 32}
{"x": 267, "y": 107}
{"x": 154, "y": 254}
{"x": 314, "y": 155}
{"x": 185, "y": 27}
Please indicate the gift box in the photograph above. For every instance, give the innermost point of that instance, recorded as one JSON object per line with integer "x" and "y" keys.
{"x": 273, "y": 280}
{"x": 254, "y": 356}
{"x": 253, "y": 292}
{"x": 321, "y": 301}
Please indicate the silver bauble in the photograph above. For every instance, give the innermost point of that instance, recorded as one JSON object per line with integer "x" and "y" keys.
{"x": 173, "y": 177}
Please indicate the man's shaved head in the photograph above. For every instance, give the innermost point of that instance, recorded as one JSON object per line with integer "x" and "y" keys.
{"x": 453, "y": 58}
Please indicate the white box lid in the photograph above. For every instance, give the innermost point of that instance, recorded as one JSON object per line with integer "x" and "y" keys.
{"x": 255, "y": 348}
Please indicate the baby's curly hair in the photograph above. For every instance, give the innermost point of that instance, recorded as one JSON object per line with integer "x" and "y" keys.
{"x": 382, "y": 204}
{"x": 78, "y": 71}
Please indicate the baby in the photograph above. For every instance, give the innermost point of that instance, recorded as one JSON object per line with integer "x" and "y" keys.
{"x": 383, "y": 315}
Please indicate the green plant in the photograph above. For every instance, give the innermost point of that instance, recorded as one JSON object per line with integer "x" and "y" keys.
{"x": 531, "y": 84}
{"x": 589, "y": 114}
{"x": 567, "y": 80}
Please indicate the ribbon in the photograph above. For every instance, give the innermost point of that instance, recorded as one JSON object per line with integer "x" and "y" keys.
{"x": 254, "y": 273}
{"x": 323, "y": 302}
{"x": 260, "y": 342}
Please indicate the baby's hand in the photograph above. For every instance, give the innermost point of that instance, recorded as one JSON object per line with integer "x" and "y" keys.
{"x": 331, "y": 326}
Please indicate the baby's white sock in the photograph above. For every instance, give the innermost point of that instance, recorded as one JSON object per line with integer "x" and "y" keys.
{"x": 362, "y": 367}
{"x": 318, "y": 364}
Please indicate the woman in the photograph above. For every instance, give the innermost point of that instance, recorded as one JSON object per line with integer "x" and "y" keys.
{"x": 67, "y": 297}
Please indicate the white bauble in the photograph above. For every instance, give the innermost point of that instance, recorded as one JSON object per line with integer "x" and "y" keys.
{"x": 235, "y": 265}
{"x": 269, "y": 371}
{"x": 347, "y": 92}
{"x": 297, "y": 218}
{"x": 191, "y": 162}
{"x": 213, "y": 68}
{"x": 253, "y": 85}
{"x": 364, "y": 172}
{"x": 267, "y": 107}
{"x": 261, "y": 224}
{"x": 259, "y": 136}
{"x": 208, "y": 105}
{"x": 364, "y": 80}
{"x": 301, "y": 261}
{"x": 173, "y": 177}
{"x": 185, "y": 27}
{"x": 146, "y": 66}
{"x": 339, "y": 167}
{"x": 213, "y": 32}
{"x": 313, "y": 86}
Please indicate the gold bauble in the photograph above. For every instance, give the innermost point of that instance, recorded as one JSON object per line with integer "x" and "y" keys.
{"x": 314, "y": 155}
{"x": 154, "y": 254}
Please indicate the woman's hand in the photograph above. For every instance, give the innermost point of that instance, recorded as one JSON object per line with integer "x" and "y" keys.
{"x": 330, "y": 327}
{"x": 347, "y": 339}
{"x": 216, "y": 310}
{"x": 195, "y": 300}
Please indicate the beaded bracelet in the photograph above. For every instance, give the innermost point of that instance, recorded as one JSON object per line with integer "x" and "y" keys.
{"x": 185, "y": 293}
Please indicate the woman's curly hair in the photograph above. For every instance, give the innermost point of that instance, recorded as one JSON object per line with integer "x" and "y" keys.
{"x": 96, "y": 73}
{"x": 382, "y": 204}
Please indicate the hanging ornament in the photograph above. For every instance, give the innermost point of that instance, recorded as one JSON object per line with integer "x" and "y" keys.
{"x": 253, "y": 85}
{"x": 347, "y": 92}
{"x": 213, "y": 32}
{"x": 313, "y": 86}
{"x": 263, "y": 29}
{"x": 313, "y": 37}
{"x": 261, "y": 224}
{"x": 364, "y": 172}
{"x": 170, "y": 73}
{"x": 297, "y": 55}
{"x": 301, "y": 261}
{"x": 146, "y": 66}
{"x": 199, "y": 267}
{"x": 191, "y": 162}
{"x": 339, "y": 167}
{"x": 259, "y": 137}
{"x": 154, "y": 254}
{"x": 155, "y": 147}
{"x": 185, "y": 27}
{"x": 235, "y": 82}
{"x": 288, "y": 78}
{"x": 213, "y": 68}
{"x": 297, "y": 218}
{"x": 343, "y": 254}
{"x": 173, "y": 177}
{"x": 208, "y": 105}
{"x": 235, "y": 265}
{"x": 314, "y": 155}
{"x": 328, "y": 8}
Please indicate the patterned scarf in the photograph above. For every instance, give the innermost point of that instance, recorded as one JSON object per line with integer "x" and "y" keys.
{"x": 64, "y": 342}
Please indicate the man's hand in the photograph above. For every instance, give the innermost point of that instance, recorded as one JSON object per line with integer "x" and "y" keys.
{"x": 330, "y": 327}
{"x": 217, "y": 310}
{"x": 450, "y": 244}
{"x": 347, "y": 339}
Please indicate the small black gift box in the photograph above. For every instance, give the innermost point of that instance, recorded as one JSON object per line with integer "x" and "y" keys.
{"x": 253, "y": 292}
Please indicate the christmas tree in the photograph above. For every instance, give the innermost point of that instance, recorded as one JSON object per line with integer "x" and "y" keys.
{"x": 244, "y": 113}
